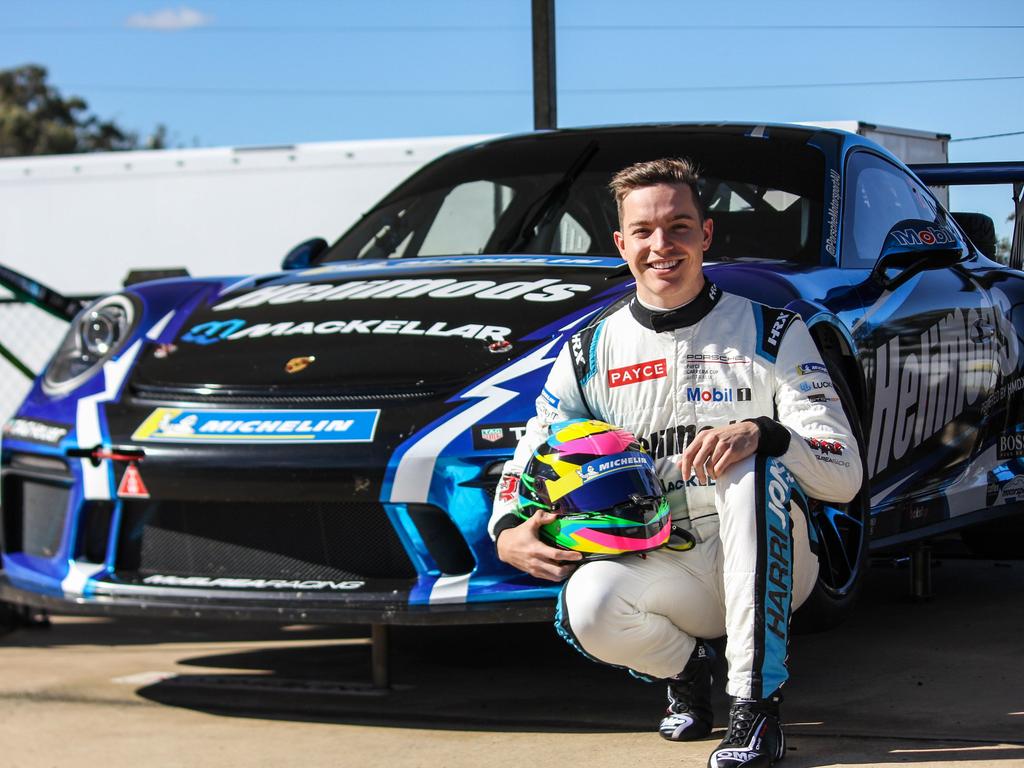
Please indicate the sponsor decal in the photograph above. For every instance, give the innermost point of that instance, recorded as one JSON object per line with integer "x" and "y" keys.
{"x": 219, "y": 582}
{"x": 500, "y": 347}
{"x": 297, "y": 364}
{"x": 163, "y": 351}
{"x": 486, "y": 437}
{"x": 131, "y": 485}
{"x": 926, "y": 236}
{"x": 1013, "y": 491}
{"x": 833, "y": 214}
{"x": 546, "y": 290}
{"x": 549, "y": 398}
{"x": 634, "y": 374}
{"x": 670, "y": 441}
{"x": 819, "y": 398}
{"x": 713, "y": 359}
{"x": 918, "y": 393}
{"x": 36, "y": 431}
{"x": 508, "y": 488}
{"x": 716, "y": 395}
{"x": 775, "y": 334}
{"x": 577, "y": 349}
{"x": 695, "y": 372}
{"x": 806, "y": 368}
{"x": 179, "y": 425}
{"x": 807, "y": 386}
{"x": 1011, "y": 446}
{"x": 201, "y": 334}
{"x": 1001, "y": 393}
{"x": 690, "y": 482}
{"x": 779, "y": 583}
{"x": 826, "y": 446}
{"x": 492, "y": 435}
{"x": 609, "y": 465}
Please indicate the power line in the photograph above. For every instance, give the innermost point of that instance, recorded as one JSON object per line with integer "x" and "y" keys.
{"x": 387, "y": 93}
{"x": 990, "y": 136}
{"x": 218, "y": 29}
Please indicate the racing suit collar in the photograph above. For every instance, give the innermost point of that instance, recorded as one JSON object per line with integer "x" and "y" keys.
{"x": 683, "y": 316}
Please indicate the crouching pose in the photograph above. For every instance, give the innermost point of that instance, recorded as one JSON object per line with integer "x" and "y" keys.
{"x": 734, "y": 405}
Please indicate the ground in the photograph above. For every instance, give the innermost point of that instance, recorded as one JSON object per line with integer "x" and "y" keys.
{"x": 930, "y": 683}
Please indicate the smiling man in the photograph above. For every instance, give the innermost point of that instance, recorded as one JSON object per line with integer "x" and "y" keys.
{"x": 733, "y": 402}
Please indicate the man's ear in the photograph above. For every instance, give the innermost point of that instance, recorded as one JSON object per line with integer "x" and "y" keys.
{"x": 709, "y": 230}
{"x": 620, "y": 243}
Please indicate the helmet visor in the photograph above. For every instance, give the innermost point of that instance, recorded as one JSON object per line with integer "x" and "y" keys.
{"x": 612, "y": 490}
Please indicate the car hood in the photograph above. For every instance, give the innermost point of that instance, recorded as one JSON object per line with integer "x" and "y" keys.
{"x": 374, "y": 328}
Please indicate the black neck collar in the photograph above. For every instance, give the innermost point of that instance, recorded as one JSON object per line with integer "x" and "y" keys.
{"x": 686, "y": 315}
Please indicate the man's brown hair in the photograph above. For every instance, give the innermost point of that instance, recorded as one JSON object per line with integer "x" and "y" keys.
{"x": 665, "y": 170}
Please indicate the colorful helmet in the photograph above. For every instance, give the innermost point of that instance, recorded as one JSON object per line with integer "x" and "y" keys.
{"x": 602, "y": 485}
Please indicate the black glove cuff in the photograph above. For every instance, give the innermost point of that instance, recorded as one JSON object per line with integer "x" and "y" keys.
{"x": 774, "y": 440}
{"x": 505, "y": 522}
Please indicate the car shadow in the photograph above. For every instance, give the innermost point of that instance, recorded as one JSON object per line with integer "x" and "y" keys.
{"x": 941, "y": 674}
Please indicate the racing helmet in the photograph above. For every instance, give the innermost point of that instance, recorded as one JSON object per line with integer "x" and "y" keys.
{"x": 602, "y": 485}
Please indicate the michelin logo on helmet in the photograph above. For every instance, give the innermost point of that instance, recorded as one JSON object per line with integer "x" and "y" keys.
{"x": 608, "y": 465}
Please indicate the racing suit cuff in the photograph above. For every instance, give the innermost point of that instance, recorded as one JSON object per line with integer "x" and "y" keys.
{"x": 774, "y": 440}
{"x": 504, "y": 523}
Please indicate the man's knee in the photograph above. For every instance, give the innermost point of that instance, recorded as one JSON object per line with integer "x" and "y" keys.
{"x": 595, "y": 608}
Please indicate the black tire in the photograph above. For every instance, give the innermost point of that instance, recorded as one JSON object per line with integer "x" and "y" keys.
{"x": 10, "y": 617}
{"x": 842, "y": 532}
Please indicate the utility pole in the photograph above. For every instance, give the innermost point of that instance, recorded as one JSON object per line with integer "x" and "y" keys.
{"x": 545, "y": 113}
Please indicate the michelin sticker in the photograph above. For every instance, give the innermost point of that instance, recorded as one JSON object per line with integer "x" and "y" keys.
{"x": 178, "y": 425}
{"x": 611, "y": 464}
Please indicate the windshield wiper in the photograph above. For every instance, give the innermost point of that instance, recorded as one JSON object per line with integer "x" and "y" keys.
{"x": 543, "y": 214}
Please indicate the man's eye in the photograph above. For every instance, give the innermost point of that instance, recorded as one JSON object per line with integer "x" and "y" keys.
{"x": 641, "y": 232}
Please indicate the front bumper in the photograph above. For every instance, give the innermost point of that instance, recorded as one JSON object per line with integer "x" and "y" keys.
{"x": 280, "y": 607}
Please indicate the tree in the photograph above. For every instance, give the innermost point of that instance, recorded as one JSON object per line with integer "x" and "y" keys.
{"x": 36, "y": 120}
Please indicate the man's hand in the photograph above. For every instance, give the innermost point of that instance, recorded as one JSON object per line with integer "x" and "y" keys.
{"x": 522, "y": 548}
{"x": 714, "y": 450}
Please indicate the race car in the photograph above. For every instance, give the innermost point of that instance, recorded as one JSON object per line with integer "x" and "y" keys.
{"x": 323, "y": 443}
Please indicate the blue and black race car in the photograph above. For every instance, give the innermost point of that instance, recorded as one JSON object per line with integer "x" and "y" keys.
{"x": 322, "y": 443}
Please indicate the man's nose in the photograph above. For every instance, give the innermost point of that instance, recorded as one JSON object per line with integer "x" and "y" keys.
{"x": 659, "y": 240}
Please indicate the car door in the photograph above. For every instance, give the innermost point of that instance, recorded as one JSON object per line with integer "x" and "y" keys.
{"x": 929, "y": 339}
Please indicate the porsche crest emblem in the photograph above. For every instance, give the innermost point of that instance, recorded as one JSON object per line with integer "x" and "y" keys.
{"x": 297, "y": 364}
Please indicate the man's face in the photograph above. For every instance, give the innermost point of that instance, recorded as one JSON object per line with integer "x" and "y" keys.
{"x": 663, "y": 242}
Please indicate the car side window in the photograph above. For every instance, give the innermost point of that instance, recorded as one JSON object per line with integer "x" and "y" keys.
{"x": 878, "y": 195}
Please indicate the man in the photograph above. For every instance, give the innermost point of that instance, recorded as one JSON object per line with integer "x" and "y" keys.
{"x": 734, "y": 403}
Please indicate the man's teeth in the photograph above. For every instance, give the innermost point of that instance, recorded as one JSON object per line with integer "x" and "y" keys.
{"x": 663, "y": 265}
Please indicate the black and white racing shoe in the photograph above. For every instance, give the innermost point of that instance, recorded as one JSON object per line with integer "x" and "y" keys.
{"x": 689, "y": 714}
{"x": 754, "y": 738}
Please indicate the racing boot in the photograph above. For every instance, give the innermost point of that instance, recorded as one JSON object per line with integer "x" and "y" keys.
{"x": 754, "y": 738}
{"x": 689, "y": 715}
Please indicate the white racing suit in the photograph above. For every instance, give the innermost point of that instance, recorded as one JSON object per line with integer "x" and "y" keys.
{"x": 664, "y": 376}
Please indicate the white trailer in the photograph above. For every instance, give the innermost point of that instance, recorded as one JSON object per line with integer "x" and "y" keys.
{"x": 79, "y": 223}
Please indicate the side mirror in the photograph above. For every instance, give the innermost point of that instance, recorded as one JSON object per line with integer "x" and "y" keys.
{"x": 914, "y": 245}
{"x": 895, "y": 267}
{"x": 303, "y": 254}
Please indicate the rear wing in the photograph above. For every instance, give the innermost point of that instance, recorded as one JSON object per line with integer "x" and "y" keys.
{"x": 958, "y": 174}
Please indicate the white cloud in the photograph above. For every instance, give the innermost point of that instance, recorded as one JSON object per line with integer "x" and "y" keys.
{"x": 170, "y": 19}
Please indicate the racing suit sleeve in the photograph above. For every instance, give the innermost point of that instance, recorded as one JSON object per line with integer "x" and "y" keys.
{"x": 811, "y": 433}
{"x": 560, "y": 399}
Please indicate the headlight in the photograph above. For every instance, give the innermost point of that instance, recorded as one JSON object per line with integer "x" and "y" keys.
{"x": 96, "y": 335}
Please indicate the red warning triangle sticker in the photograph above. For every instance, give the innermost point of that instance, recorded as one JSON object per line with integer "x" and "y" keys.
{"x": 131, "y": 486}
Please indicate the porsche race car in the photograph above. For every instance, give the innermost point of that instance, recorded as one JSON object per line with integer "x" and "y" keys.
{"x": 323, "y": 443}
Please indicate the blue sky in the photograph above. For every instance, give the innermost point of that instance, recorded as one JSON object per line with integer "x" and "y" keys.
{"x": 227, "y": 72}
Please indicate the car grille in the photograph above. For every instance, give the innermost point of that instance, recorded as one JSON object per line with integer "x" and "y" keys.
{"x": 34, "y": 514}
{"x": 309, "y": 540}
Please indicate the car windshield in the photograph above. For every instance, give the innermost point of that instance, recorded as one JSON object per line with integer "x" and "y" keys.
{"x": 548, "y": 194}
